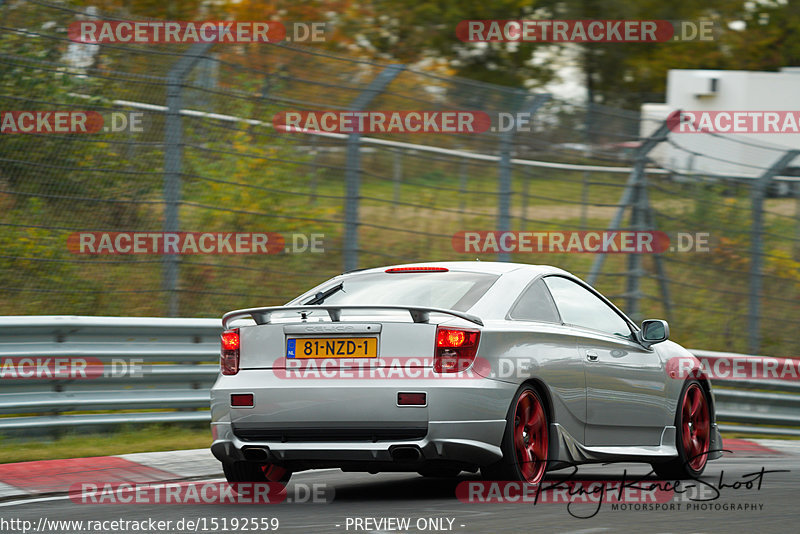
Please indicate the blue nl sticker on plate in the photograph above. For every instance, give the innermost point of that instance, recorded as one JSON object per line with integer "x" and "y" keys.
{"x": 290, "y": 347}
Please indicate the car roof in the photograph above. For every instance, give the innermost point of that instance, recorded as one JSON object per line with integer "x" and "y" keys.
{"x": 489, "y": 267}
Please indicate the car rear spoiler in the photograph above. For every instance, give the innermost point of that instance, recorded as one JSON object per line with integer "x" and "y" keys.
{"x": 419, "y": 314}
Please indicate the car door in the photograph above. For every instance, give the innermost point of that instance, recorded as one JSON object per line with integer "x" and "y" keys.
{"x": 553, "y": 346}
{"x": 625, "y": 385}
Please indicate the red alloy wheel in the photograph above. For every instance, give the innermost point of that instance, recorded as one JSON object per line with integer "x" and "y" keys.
{"x": 530, "y": 437}
{"x": 695, "y": 427}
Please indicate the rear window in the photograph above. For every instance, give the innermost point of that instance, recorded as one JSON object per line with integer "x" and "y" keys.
{"x": 450, "y": 290}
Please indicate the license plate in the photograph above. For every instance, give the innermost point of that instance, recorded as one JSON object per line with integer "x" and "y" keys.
{"x": 332, "y": 347}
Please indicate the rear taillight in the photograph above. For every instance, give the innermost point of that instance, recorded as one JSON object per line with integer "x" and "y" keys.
{"x": 229, "y": 353}
{"x": 455, "y": 349}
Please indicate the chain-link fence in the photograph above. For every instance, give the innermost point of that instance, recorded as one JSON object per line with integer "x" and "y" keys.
{"x": 207, "y": 158}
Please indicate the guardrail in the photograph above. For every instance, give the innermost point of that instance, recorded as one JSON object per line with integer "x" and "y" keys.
{"x": 755, "y": 406}
{"x": 153, "y": 370}
{"x": 175, "y": 362}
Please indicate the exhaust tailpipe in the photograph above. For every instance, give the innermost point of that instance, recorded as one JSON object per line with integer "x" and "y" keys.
{"x": 255, "y": 454}
{"x": 405, "y": 453}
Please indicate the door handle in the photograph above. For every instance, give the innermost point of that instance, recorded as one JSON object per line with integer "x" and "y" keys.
{"x": 591, "y": 355}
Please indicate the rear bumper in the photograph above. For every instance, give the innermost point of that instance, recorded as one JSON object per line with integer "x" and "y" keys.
{"x": 359, "y": 421}
{"x": 468, "y": 442}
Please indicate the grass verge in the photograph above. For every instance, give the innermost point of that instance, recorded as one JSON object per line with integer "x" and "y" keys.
{"x": 127, "y": 440}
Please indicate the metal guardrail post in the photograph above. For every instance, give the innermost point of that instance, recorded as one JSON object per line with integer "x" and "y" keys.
{"x": 661, "y": 273}
{"x": 173, "y": 162}
{"x": 635, "y": 197}
{"x": 634, "y": 261}
{"x": 353, "y": 166}
{"x": 504, "y": 176}
{"x": 757, "y": 193}
{"x": 642, "y": 219}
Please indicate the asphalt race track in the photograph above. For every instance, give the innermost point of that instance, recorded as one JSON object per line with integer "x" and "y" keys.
{"x": 773, "y": 508}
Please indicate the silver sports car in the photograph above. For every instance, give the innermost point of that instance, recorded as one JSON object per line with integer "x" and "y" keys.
{"x": 441, "y": 367}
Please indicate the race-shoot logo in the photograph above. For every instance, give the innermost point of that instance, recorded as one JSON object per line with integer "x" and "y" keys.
{"x": 585, "y": 498}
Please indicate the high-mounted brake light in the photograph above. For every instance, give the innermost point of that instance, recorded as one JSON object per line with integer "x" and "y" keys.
{"x": 229, "y": 353}
{"x": 417, "y": 270}
{"x": 455, "y": 349}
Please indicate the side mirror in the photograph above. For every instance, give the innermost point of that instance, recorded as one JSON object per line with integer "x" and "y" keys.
{"x": 653, "y": 331}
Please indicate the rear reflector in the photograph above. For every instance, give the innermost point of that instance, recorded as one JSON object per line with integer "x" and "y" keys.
{"x": 229, "y": 353}
{"x": 242, "y": 399}
{"x": 417, "y": 270}
{"x": 412, "y": 399}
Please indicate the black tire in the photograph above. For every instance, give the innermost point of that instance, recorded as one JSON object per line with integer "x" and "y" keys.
{"x": 255, "y": 472}
{"x": 512, "y": 466}
{"x": 692, "y": 459}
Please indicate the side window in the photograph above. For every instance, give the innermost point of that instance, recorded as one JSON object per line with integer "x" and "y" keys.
{"x": 535, "y": 304}
{"x": 581, "y": 307}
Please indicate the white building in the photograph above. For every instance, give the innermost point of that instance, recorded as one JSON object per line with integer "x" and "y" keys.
{"x": 724, "y": 90}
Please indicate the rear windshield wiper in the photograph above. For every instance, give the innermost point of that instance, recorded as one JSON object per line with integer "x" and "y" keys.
{"x": 320, "y": 297}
